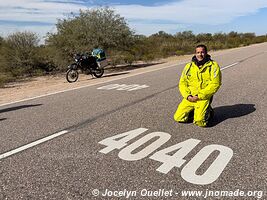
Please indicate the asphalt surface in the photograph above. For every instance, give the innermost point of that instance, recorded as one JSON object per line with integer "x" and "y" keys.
{"x": 229, "y": 156}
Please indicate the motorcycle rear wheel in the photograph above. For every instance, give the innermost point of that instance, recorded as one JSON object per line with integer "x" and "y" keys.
{"x": 72, "y": 75}
{"x": 98, "y": 72}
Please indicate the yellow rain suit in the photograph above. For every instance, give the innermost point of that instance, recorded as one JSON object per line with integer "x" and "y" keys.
{"x": 203, "y": 81}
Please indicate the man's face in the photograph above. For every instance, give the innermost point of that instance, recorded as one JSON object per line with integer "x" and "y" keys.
{"x": 200, "y": 53}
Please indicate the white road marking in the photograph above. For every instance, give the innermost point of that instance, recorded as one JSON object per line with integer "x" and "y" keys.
{"x": 228, "y": 66}
{"x": 32, "y": 144}
{"x": 171, "y": 157}
{"x": 139, "y": 87}
{"x": 123, "y": 87}
{"x": 108, "y": 87}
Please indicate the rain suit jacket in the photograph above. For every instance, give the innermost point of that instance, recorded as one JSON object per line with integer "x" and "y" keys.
{"x": 203, "y": 81}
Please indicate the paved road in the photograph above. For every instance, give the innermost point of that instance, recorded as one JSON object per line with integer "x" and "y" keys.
{"x": 62, "y": 146}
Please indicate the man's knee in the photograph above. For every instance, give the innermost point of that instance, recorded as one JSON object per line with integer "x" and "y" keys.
{"x": 204, "y": 120}
{"x": 185, "y": 117}
{"x": 179, "y": 117}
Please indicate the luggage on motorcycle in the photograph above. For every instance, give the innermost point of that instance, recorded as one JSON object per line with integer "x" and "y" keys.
{"x": 99, "y": 54}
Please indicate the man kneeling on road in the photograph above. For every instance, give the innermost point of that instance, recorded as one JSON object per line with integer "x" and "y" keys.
{"x": 199, "y": 81}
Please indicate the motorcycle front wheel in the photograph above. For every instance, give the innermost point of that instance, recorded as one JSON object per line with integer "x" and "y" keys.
{"x": 72, "y": 75}
{"x": 98, "y": 72}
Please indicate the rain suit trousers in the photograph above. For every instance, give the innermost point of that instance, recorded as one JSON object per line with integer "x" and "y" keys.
{"x": 202, "y": 111}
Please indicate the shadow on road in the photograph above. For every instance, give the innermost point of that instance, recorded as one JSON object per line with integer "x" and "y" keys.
{"x": 226, "y": 112}
{"x": 2, "y": 119}
{"x": 18, "y": 108}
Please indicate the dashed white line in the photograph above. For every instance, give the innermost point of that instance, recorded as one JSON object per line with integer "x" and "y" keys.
{"x": 32, "y": 144}
{"x": 231, "y": 65}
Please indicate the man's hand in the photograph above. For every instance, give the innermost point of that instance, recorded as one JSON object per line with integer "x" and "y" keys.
{"x": 192, "y": 98}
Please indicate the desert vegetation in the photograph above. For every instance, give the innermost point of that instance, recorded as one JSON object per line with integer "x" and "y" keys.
{"x": 22, "y": 55}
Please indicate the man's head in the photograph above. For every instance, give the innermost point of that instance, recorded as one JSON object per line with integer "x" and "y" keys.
{"x": 201, "y": 52}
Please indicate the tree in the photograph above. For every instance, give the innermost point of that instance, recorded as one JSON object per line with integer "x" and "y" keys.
{"x": 99, "y": 27}
{"x": 19, "y": 53}
{"x": 185, "y": 35}
{"x": 1, "y": 41}
{"x": 162, "y": 34}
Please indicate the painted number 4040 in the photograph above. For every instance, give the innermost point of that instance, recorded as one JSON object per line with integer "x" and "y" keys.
{"x": 172, "y": 156}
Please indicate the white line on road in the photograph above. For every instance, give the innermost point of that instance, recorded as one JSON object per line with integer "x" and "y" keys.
{"x": 123, "y": 87}
{"x": 231, "y": 65}
{"x": 32, "y": 144}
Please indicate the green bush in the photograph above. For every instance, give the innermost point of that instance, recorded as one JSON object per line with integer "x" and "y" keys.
{"x": 6, "y": 78}
{"x": 179, "y": 52}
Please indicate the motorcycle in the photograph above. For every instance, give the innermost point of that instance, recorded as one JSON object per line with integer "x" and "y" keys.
{"x": 84, "y": 63}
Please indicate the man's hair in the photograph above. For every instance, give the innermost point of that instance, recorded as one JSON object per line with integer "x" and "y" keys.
{"x": 203, "y": 46}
